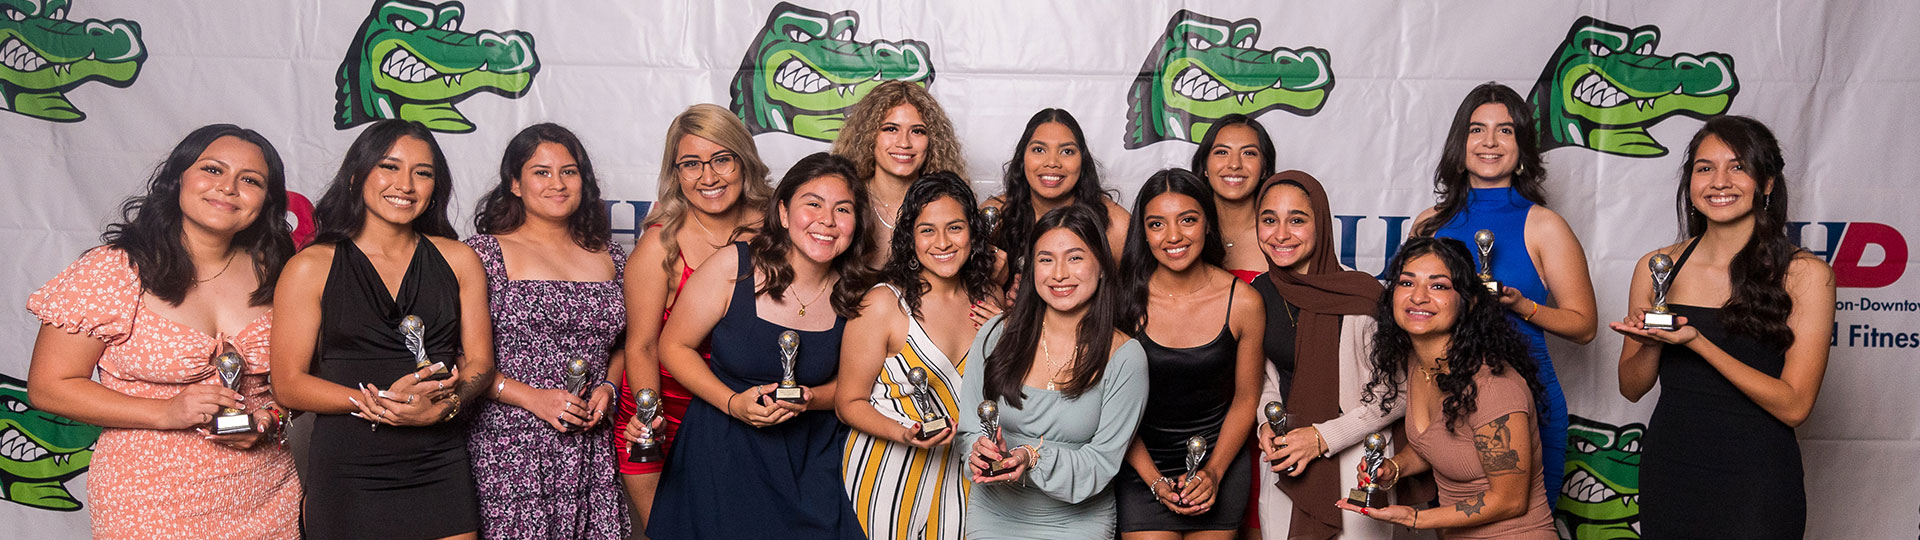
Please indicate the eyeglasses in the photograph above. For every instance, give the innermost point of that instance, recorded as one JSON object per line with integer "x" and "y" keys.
{"x": 721, "y": 164}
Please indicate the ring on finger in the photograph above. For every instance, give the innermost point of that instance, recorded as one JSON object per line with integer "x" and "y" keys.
{"x": 416, "y": 376}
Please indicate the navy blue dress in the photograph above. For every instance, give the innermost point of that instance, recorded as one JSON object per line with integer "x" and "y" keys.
{"x": 726, "y": 479}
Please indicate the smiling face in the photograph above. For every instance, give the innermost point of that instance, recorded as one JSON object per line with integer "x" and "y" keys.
{"x": 1719, "y": 186}
{"x": 1175, "y": 229}
{"x": 398, "y": 188}
{"x": 820, "y": 218}
{"x": 941, "y": 238}
{"x": 1286, "y": 227}
{"x": 549, "y": 183}
{"x": 1052, "y": 162}
{"x": 1492, "y": 152}
{"x": 226, "y": 187}
{"x": 1065, "y": 270}
{"x": 1233, "y": 162}
{"x": 900, "y": 148}
{"x": 705, "y": 187}
{"x": 1425, "y": 302}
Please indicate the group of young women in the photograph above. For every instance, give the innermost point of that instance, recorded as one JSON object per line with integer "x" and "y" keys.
{"x": 858, "y": 350}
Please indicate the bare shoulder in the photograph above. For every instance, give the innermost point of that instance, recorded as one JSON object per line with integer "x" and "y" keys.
{"x": 881, "y": 306}
{"x": 650, "y": 249}
{"x": 316, "y": 261}
{"x": 1672, "y": 251}
{"x": 1115, "y": 212}
{"x": 1245, "y": 299}
{"x": 1809, "y": 270}
{"x": 456, "y": 253}
{"x": 1544, "y": 219}
{"x": 1423, "y": 217}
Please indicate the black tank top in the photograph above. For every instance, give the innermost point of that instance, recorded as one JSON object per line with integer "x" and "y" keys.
{"x": 1191, "y": 391}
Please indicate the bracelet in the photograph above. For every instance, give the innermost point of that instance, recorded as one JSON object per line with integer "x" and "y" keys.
{"x": 1396, "y": 473}
{"x": 455, "y": 411}
{"x": 1156, "y": 493}
{"x": 1322, "y": 441}
{"x": 500, "y": 388}
{"x": 1536, "y": 311}
{"x": 1033, "y": 452}
{"x": 730, "y": 403}
{"x": 1416, "y": 518}
{"x": 616, "y": 388}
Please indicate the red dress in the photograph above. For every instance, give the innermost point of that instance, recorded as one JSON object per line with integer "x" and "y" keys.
{"x": 673, "y": 400}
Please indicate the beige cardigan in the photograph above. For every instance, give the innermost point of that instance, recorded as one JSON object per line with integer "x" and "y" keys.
{"x": 1342, "y": 433}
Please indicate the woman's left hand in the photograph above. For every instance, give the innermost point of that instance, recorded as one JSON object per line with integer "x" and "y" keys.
{"x": 1680, "y": 336}
{"x": 398, "y": 409}
{"x": 1197, "y": 493}
{"x": 599, "y": 403}
{"x": 1396, "y": 514}
{"x": 262, "y": 421}
{"x": 1295, "y": 450}
{"x": 1510, "y": 297}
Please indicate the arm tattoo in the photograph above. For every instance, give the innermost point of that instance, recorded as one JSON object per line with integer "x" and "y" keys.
{"x": 1472, "y": 505}
{"x": 1494, "y": 443}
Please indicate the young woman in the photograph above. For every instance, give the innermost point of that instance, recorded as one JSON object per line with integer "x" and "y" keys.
{"x": 187, "y": 274}
{"x": 1470, "y": 396}
{"x": 1744, "y": 366}
{"x": 1052, "y": 167}
{"x": 387, "y": 457}
{"x": 740, "y": 447}
{"x": 712, "y": 185}
{"x": 1234, "y": 157}
{"x": 542, "y": 466}
{"x": 1205, "y": 364}
{"x": 893, "y": 135}
{"x": 1319, "y": 328}
{"x": 1489, "y": 178}
{"x": 1068, "y": 388}
{"x": 905, "y": 481}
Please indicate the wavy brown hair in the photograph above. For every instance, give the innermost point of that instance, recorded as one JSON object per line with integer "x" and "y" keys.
{"x": 863, "y": 122}
{"x": 902, "y": 268}
{"x": 717, "y": 124}
{"x": 770, "y": 247}
{"x": 1450, "y": 183}
{"x": 503, "y": 212}
{"x": 1759, "y": 305}
{"x": 1007, "y": 364}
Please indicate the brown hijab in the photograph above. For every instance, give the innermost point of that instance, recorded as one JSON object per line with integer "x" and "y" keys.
{"x": 1324, "y": 294}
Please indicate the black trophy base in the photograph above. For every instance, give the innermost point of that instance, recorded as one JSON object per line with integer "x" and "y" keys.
{"x": 644, "y": 453}
{"x": 997, "y": 470}
{"x": 789, "y": 394}
{"x": 1493, "y": 287}
{"x": 1659, "y": 320}
{"x": 230, "y": 424}
{"x": 932, "y": 428}
{"x": 1367, "y": 497}
{"x": 440, "y": 375}
{"x": 1289, "y": 469}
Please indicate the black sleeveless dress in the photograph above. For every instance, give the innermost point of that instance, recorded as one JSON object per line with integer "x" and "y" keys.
{"x": 1191, "y": 390}
{"x": 1713, "y": 463}
{"x": 390, "y": 481}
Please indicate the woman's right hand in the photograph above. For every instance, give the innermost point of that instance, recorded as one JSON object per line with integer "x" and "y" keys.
{"x": 632, "y": 433}
{"x": 911, "y": 436}
{"x": 757, "y": 408}
{"x": 557, "y": 407}
{"x": 197, "y": 404}
{"x": 1384, "y": 475}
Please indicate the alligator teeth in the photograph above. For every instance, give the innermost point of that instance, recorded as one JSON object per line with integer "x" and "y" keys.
{"x": 1583, "y": 487}
{"x": 403, "y": 66}
{"x": 796, "y": 76}
{"x": 1198, "y": 85}
{"x": 18, "y": 447}
{"x": 16, "y": 55}
{"x": 1595, "y": 91}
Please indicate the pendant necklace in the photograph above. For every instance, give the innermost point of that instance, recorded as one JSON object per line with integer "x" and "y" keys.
{"x": 816, "y": 297}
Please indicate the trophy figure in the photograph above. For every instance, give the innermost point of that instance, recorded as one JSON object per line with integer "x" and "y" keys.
{"x": 989, "y": 220}
{"x": 1277, "y": 421}
{"x": 990, "y": 426}
{"x": 1483, "y": 240}
{"x": 789, "y": 389}
{"x": 1371, "y": 494}
{"x": 1196, "y": 456}
{"x": 413, "y": 330}
{"x": 575, "y": 376}
{"x": 229, "y": 366}
{"x": 647, "y": 407}
{"x": 1660, "y": 317}
{"x": 933, "y": 419}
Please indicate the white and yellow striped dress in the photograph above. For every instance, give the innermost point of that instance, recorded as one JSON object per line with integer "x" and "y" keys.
{"x": 899, "y": 491}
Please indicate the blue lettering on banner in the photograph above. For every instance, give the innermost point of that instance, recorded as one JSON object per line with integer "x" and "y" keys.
{"x": 1349, "y": 239}
{"x": 638, "y": 215}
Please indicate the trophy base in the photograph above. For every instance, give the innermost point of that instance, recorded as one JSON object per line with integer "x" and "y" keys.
{"x": 644, "y": 453}
{"x": 932, "y": 428}
{"x": 1659, "y": 320}
{"x": 789, "y": 394}
{"x": 1289, "y": 469}
{"x": 1367, "y": 497}
{"x": 231, "y": 424}
{"x": 1493, "y": 287}
{"x": 997, "y": 471}
{"x": 441, "y": 375}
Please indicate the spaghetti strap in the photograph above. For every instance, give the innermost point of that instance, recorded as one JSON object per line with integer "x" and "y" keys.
{"x": 1684, "y": 254}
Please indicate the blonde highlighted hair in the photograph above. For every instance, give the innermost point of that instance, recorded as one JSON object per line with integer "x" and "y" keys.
{"x": 862, "y": 127}
{"x": 718, "y": 125}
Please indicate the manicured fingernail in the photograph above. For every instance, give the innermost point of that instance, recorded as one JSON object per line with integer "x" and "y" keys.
{"x": 437, "y": 366}
{"x": 357, "y": 415}
{"x": 355, "y": 402}
{"x": 384, "y": 394}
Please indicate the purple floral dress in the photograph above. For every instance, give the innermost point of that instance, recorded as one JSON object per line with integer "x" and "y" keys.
{"x": 533, "y": 481}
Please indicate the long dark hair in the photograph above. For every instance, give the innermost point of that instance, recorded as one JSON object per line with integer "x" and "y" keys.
{"x": 1012, "y": 357}
{"x": 1200, "y": 154}
{"x": 770, "y": 247}
{"x": 149, "y": 228}
{"x": 342, "y": 210}
{"x": 1481, "y": 336}
{"x": 1759, "y": 305}
{"x": 901, "y": 270}
{"x": 1016, "y": 210}
{"x": 1450, "y": 182}
{"x": 1137, "y": 263}
{"x": 502, "y": 212}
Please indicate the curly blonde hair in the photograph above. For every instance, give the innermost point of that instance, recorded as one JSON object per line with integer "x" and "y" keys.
{"x": 716, "y": 124}
{"x": 862, "y": 127}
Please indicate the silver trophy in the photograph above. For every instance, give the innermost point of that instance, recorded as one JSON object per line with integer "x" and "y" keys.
{"x": 1196, "y": 456}
{"x": 575, "y": 376}
{"x": 413, "y": 330}
{"x": 933, "y": 418}
{"x": 990, "y": 426}
{"x": 989, "y": 220}
{"x": 1483, "y": 240}
{"x": 789, "y": 389}
{"x": 646, "y": 404}
{"x": 1371, "y": 494}
{"x": 230, "y": 366}
{"x": 1660, "y": 317}
{"x": 1277, "y": 421}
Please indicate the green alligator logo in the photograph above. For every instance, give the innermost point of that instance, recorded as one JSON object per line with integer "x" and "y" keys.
{"x": 1605, "y": 87}
{"x": 1601, "y": 497}
{"x": 39, "y": 451}
{"x": 1205, "y": 68}
{"x": 43, "y": 55}
{"x": 410, "y": 60}
{"x": 805, "y": 70}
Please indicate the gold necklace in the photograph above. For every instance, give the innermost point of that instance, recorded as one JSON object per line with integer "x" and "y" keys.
{"x": 223, "y": 269}
{"x": 709, "y": 232}
{"x": 1439, "y": 366}
{"x": 816, "y": 297}
{"x": 1053, "y": 381}
{"x": 1203, "y": 284}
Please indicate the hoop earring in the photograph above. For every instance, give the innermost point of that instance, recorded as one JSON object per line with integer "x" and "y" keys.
{"x": 1767, "y": 203}
{"x": 913, "y": 264}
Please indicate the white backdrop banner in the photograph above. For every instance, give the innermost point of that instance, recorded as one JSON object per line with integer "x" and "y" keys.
{"x": 1358, "y": 92}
